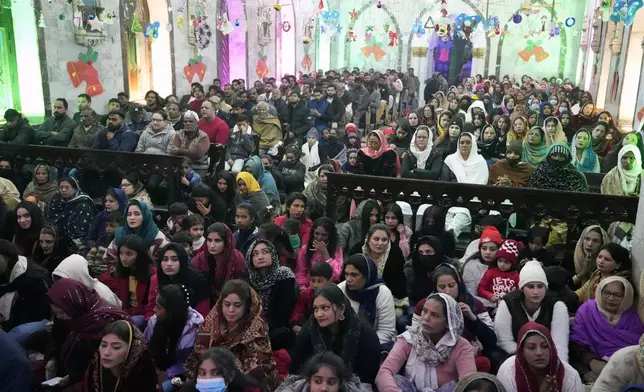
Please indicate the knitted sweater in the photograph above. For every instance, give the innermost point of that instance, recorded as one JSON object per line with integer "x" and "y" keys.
{"x": 495, "y": 281}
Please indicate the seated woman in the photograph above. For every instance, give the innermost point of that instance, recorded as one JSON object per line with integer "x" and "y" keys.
{"x": 490, "y": 148}
{"x": 174, "y": 269}
{"x": 235, "y": 323}
{"x": 75, "y": 267}
{"x": 369, "y": 296}
{"x": 322, "y": 247}
{"x": 335, "y": 327}
{"x": 277, "y": 288}
{"x": 171, "y": 332}
{"x": 50, "y": 250}
{"x": 447, "y": 142}
{"x": 313, "y": 155}
{"x": 395, "y": 222}
{"x": 389, "y": 259}
{"x": 368, "y": 213}
{"x": 556, "y": 172}
{"x": 130, "y": 280}
{"x": 531, "y": 303}
{"x": 624, "y": 371}
{"x": 611, "y": 160}
{"x": 29, "y": 222}
{"x": 466, "y": 165}
{"x": 604, "y": 325}
{"x": 324, "y": 369}
{"x": 476, "y": 265}
{"x": 247, "y": 222}
{"x": 226, "y": 189}
{"x": 217, "y": 368}
{"x": 378, "y": 159}
{"x": 115, "y": 200}
{"x": 43, "y": 186}
{"x": 80, "y": 317}
{"x": 534, "y": 147}
{"x": 296, "y": 209}
{"x": 583, "y": 156}
{"x": 123, "y": 362}
{"x": 612, "y": 260}
{"x": 600, "y": 142}
{"x": 422, "y": 160}
{"x": 434, "y": 353}
{"x": 537, "y": 365}
{"x": 428, "y": 254}
{"x": 590, "y": 242}
{"x": 625, "y": 178}
{"x": 554, "y": 131}
{"x": 250, "y": 192}
{"x": 220, "y": 262}
{"x": 135, "y": 190}
{"x": 72, "y": 212}
{"x": 207, "y": 203}
{"x": 139, "y": 222}
{"x": 316, "y": 193}
{"x": 479, "y": 382}
{"x": 25, "y": 308}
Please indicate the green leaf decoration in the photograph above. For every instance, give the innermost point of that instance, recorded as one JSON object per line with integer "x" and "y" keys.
{"x": 191, "y": 62}
{"x": 82, "y": 57}
{"x": 199, "y": 59}
{"x": 136, "y": 26}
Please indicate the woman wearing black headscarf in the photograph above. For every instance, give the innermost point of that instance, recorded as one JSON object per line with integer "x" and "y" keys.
{"x": 556, "y": 172}
{"x": 226, "y": 188}
{"x": 29, "y": 221}
{"x": 207, "y": 203}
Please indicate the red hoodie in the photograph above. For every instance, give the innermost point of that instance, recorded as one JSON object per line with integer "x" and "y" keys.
{"x": 495, "y": 281}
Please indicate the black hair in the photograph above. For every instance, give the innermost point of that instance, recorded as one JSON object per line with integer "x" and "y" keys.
{"x": 329, "y": 360}
{"x": 123, "y": 94}
{"x": 291, "y": 226}
{"x": 278, "y": 237}
{"x": 159, "y": 101}
{"x": 322, "y": 270}
{"x": 243, "y": 290}
{"x": 225, "y": 362}
{"x": 191, "y": 220}
{"x": 121, "y": 328}
{"x": 481, "y": 385}
{"x": 333, "y": 294}
{"x": 115, "y": 217}
{"x": 377, "y": 227}
{"x": 539, "y": 232}
{"x": 167, "y": 332}
{"x": 178, "y": 209}
{"x": 231, "y": 190}
{"x": 8, "y": 250}
{"x": 395, "y": 208}
{"x": 493, "y": 220}
{"x": 63, "y": 101}
{"x": 133, "y": 179}
{"x": 620, "y": 254}
{"x": 295, "y": 196}
{"x": 162, "y": 113}
{"x": 438, "y": 298}
{"x": 252, "y": 213}
{"x": 220, "y": 229}
{"x": 143, "y": 266}
{"x": 87, "y": 97}
{"x": 366, "y": 214}
{"x": 359, "y": 262}
{"x": 181, "y": 237}
{"x": 240, "y": 117}
{"x": 26, "y": 238}
{"x": 331, "y": 229}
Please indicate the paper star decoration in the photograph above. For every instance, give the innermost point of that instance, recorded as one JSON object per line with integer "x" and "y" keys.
{"x": 370, "y": 28}
{"x": 354, "y": 14}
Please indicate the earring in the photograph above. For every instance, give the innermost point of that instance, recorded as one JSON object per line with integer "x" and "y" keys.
{"x": 341, "y": 318}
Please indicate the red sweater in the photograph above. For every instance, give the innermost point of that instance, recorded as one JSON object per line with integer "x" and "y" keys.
{"x": 120, "y": 285}
{"x": 216, "y": 129}
{"x": 303, "y": 308}
{"x": 305, "y": 228}
{"x": 494, "y": 281}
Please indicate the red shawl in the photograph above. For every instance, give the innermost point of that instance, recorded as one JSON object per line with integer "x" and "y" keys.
{"x": 526, "y": 381}
{"x": 89, "y": 316}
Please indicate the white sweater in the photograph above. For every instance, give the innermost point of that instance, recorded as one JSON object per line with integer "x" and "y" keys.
{"x": 385, "y": 324}
{"x": 559, "y": 329}
{"x": 506, "y": 375}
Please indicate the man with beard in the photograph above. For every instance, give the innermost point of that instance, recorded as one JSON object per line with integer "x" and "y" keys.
{"x": 229, "y": 94}
{"x": 57, "y": 130}
{"x": 335, "y": 109}
{"x": 17, "y": 130}
{"x": 192, "y": 143}
{"x": 299, "y": 118}
{"x": 116, "y": 136}
{"x": 86, "y": 132}
{"x": 268, "y": 128}
{"x": 511, "y": 171}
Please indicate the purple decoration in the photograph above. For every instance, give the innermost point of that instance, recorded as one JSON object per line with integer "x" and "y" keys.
{"x": 237, "y": 59}
{"x": 223, "y": 47}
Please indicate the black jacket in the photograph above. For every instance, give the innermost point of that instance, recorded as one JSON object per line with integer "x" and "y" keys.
{"x": 22, "y": 134}
{"x": 334, "y": 112}
{"x": 31, "y": 303}
{"x": 431, "y": 171}
{"x": 293, "y": 176}
{"x": 299, "y": 118}
{"x": 383, "y": 166}
{"x": 282, "y": 109}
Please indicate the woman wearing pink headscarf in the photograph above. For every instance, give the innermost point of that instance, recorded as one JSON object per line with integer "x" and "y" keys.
{"x": 378, "y": 159}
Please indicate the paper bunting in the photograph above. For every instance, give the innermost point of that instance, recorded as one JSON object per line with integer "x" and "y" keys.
{"x": 373, "y": 48}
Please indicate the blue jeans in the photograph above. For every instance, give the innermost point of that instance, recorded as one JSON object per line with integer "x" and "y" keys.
{"x": 23, "y": 332}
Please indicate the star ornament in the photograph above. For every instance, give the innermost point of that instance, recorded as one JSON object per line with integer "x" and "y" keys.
{"x": 370, "y": 28}
{"x": 353, "y": 14}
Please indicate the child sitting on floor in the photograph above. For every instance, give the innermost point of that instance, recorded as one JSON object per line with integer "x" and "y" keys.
{"x": 184, "y": 239}
{"x": 500, "y": 280}
{"x": 189, "y": 179}
{"x": 94, "y": 257}
{"x": 537, "y": 240}
{"x": 193, "y": 225}
{"x": 177, "y": 212}
{"x": 292, "y": 228}
{"x": 320, "y": 275}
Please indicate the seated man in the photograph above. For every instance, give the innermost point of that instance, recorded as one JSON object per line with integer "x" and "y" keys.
{"x": 84, "y": 101}
{"x": 113, "y": 105}
{"x": 17, "y": 130}
{"x": 57, "y": 130}
{"x": 269, "y": 129}
{"x": 138, "y": 118}
{"x": 117, "y": 136}
{"x": 86, "y": 132}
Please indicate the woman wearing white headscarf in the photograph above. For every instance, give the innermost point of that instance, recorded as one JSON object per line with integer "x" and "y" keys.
{"x": 75, "y": 267}
{"x": 466, "y": 165}
{"x": 434, "y": 353}
{"x": 624, "y": 179}
{"x": 422, "y": 160}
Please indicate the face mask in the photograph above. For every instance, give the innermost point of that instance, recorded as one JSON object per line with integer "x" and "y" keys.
{"x": 211, "y": 385}
{"x": 295, "y": 241}
{"x": 534, "y": 107}
{"x": 464, "y": 106}
{"x": 513, "y": 162}
{"x": 268, "y": 167}
{"x": 333, "y": 138}
{"x": 428, "y": 260}
{"x": 563, "y": 110}
{"x": 553, "y": 103}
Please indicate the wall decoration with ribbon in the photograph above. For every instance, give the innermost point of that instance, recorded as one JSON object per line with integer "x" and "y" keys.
{"x": 533, "y": 48}
{"x": 393, "y": 38}
{"x": 286, "y": 26}
{"x": 195, "y": 67}
{"x": 261, "y": 69}
{"x": 373, "y": 48}
{"x": 82, "y": 70}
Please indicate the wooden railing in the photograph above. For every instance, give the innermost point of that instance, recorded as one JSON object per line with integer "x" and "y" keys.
{"x": 531, "y": 205}
{"x": 97, "y": 162}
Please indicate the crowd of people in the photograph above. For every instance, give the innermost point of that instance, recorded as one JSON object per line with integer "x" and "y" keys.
{"x": 252, "y": 284}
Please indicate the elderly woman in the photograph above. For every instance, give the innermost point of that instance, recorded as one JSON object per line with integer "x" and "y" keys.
{"x": 43, "y": 186}
{"x": 625, "y": 178}
{"x": 269, "y": 129}
{"x": 192, "y": 143}
{"x": 422, "y": 161}
{"x": 603, "y": 326}
{"x": 71, "y": 211}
